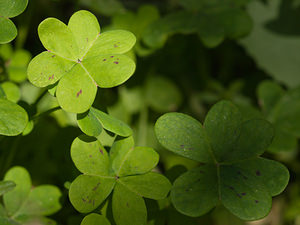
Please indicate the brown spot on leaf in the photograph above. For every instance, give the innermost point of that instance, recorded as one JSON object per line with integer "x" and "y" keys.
{"x": 96, "y": 187}
{"x": 115, "y": 62}
{"x": 258, "y": 173}
{"x": 79, "y": 93}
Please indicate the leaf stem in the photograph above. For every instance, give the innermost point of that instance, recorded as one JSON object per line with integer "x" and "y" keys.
{"x": 143, "y": 127}
{"x": 40, "y": 98}
{"x": 46, "y": 112}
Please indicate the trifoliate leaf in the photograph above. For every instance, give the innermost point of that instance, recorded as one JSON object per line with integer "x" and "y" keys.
{"x": 128, "y": 178}
{"x": 80, "y": 59}
{"x": 9, "y": 9}
{"x": 26, "y": 204}
{"x": 236, "y": 176}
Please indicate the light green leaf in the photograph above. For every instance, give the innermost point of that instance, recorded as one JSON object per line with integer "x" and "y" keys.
{"x": 9, "y": 9}
{"x": 87, "y": 192}
{"x": 58, "y": 39}
{"x": 183, "y": 135}
{"x": 94, "y": 219}
{"x": 42, "y": 200}
{"x": 89, "y": 124}
{"x": 196, "y": 192}
{"x": 138, "y": 160}
{"x": 109, "y": 70}
{"x": 6, "y": 186}
{"x": 8, "y": 30}
{"x": 76, "y": 91}
{"x": 80, "y": 59}
{"x": 89, "y": 156}
{"x": 86, "y": 29}
{"x": 119, "y": 149}
{"x": 112, "y": 124}
{"x": 12, "y": 8}
{"x": 13, "y": 200}
{"x": 149, "y": 185}
{"x": 128, "y": 208}
{"x": 162, "y": 94}
{"x": 11, "y": 90}
{"x": 112, "y": 42}
{"x": 47, "y": 68}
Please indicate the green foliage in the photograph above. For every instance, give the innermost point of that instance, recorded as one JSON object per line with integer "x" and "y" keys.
{"x": 212, "y": 20}
{"x": 6, "y": 186}
{"x": 274, "y": 102}
{"x": 79, "y": 59}
{"x": 91, "y": 123}
{"x": 13, "y": 118}
{"x": 231, "y": 171}
{"x": 124, "y": 172}
{"x": 137, "y": 23}
{"x": 9, "y": 9}
{"x": 16, "y": 62}
{"x": 26, "y": 205}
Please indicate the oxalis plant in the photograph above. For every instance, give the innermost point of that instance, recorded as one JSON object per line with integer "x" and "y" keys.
{"x": 231, "y": 171}
{"x": 79, "y": 59}
{"x": 124, "y": 172}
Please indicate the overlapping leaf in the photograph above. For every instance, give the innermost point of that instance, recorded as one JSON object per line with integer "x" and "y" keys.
{"x": 275, "y": 101}
{"x": 137, "y": 23}
{"x": 79, "y": 59}
{"x": 231, "y": 171}
{"x": 9, "y": 9}
{"x": 125, "y": 171}
{"x": 92, "y": 122}
{"x": 27, "y": 205}
{"x": 16, "y": 62}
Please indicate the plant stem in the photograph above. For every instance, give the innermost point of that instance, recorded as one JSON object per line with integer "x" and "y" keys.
{"x": 12, "y": 152}
{"x": 143, "y": 127}
{"x": 40, "y": 98}
{"x": 46, "y": 112}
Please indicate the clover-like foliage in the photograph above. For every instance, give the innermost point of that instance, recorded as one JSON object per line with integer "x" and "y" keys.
{"x": 92, "y": 122}
{"x": 15, "y": 62}
{"x": 212, "y": 20}
{"x": 25, "y": 205}
{"x": 125, "y": 171}
{"x": 13, "y": 118}
{"x": 231, "y": 171}
{"x": 9, "y": 9}
{"x": 79, "y": 59}
{"x": 137, "y": 24}
{"x": 275, "y": 101}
